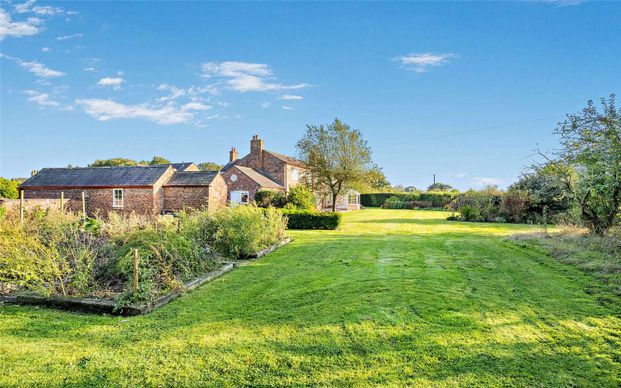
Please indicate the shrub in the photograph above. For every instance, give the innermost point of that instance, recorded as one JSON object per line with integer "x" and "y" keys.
{"x": 301, "y": 197}
{"x": 244, "y": 230}
{"x": 469, "y": 213}
{"x": 434, "y": 199}
{"x": 270, "y": 198}
{"x": 305, "y": 219}
{"x": 8, "y": 188}
{"x": 393, "y": 203}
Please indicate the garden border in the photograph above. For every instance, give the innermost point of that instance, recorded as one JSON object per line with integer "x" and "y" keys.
{"x": 108, "y": 306}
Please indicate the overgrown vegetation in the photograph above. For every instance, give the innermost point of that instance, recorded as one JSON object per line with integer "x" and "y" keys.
{"x": 61, "y": 254}
{"x": 8, "y": 188}
{"x": 407, "y": 200}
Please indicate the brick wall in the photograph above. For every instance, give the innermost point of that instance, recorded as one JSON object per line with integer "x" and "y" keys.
{"x": 43, "y": 203}
{"x": 218, "y": 192}
{"x": 180, "y": 197}
{"x": 99, "y": 201}
{"x": 243, "y": 182}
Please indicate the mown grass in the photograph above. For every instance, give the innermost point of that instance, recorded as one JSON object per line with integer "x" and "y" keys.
{"x": 395, "y": 297}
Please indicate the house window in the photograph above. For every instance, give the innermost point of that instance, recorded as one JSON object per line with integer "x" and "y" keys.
{"x": 117, "y": 198}
{"x": 241, "y": 197}
{"x": 295, "y": 174}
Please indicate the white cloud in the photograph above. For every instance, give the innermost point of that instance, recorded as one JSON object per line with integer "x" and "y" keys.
{"x": 46, "y": 49}
{"x": 287, "y": 107}
{"x": 290, "y": 97}
{"x": 487, "y": 181}
{"x": 44, "y": 100}
{"x": 420, "y": 63}
{"x": 562, "y": 3}
{"x": 195, "y": 106}
{"x": 115, "y": 82}
{"x": 67, "y": 37}
{"x": 266, "y": 104}
{"x": 246, "y": 77}
{"x": 17, "y": 29}
{"x": 40, "y": 70}
{"x": 105, "y": 110}
{"x": 90, "y": 69}
{"x": 47, "y": 10}
{"x": 24, "y": 7}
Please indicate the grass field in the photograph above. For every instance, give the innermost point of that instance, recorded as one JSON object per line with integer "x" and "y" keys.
{"x": 394, "y": 297}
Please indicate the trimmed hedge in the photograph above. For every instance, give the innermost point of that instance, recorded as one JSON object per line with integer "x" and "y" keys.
{"x": 414, "y": 200}
{"x": 308, "y": 219}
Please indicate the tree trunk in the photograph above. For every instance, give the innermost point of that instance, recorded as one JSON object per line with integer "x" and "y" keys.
{"x": 334, "y": 195}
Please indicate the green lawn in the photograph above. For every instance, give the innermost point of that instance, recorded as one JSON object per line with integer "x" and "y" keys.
{"x": 393, "y": 297}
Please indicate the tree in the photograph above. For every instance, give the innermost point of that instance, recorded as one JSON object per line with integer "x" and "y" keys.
{"x": 410, "y": 189}
{"x": 439, "y": 187}
{"x": 336, "y": 156}
{"x": 8, "y": 188}
{"x": 591, "y": 142}
{"x": 209, "y": 166}
{"x": 301, "y": 197}
{"x": 113, "y": 162}
{"x": 376, "y": 179}
{"x": 159, "y": 160}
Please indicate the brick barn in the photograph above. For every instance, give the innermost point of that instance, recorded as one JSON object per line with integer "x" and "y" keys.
{"x": 147, "y": 190}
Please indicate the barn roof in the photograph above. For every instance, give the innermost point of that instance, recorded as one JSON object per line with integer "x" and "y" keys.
{"x": 192, "y": 178}
{"x": 119, "y": 176}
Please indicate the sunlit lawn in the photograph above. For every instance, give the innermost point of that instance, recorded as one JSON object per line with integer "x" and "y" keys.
{"x": 394, "y": 297}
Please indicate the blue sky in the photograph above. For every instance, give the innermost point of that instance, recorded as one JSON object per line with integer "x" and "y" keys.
{"x": 463, "y": 90}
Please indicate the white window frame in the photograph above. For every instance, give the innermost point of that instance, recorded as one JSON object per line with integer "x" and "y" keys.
{"x": 118, "y": 203}
{"x": 235, "y": 199}
{"x": 241, "y": 198}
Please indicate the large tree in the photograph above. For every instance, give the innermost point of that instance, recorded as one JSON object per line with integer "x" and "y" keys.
{"x": 8, "y": 188}
{"x": 591, "y": 142}
{"x": 209, "y": 166}
{"x": 113, "y": 162}
{"x": 336, "y": 156}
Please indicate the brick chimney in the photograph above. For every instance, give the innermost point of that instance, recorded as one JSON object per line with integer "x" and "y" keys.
{"x": 256, "y": 145}
{"x": 233, "y": 154}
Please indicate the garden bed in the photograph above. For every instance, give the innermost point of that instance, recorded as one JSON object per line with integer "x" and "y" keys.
{"x": 110, "y": 306}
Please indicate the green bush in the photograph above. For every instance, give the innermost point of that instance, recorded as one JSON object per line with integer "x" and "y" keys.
{"x": 301, "y": 197}
{"x": 270, "y": 198}
{"x": 469, "y": 213}
{"x": 306, "y": 219}
{"x": 418, "y": 200}
{"x": 8, "y": 188}
{"x": 244, "y": 230}
{"x": 393, "y": 202}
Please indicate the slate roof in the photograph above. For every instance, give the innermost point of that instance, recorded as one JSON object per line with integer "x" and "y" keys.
{"x": 260, "y": 177}
{"x": 192, "y": 178}
{"x": 120, "y": 176}
{"x": 287, "y": 159}
{"x": 181, "y": 166}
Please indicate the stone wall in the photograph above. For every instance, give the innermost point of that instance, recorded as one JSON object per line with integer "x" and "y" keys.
{"x": 218, "y": 193}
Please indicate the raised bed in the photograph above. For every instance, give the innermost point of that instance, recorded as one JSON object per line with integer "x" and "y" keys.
{"x": 108, "y": 306}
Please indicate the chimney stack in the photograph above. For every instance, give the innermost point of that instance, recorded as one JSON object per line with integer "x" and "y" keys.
{"x": 34, "y": 172}
{"x": 233, "y": 155}
{"x": 256, "y": 145}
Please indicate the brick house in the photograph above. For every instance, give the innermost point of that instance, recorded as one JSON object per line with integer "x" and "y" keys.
{"x": 147, "y": 190}
{"x": 260, "y": 169}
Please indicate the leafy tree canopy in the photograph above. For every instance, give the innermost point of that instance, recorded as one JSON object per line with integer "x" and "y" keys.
{"x": 336, "y": 156}
{"x": 209, "y": 166}
{"x": 113, "y": 162}
{"x": 159, "y": 160}
{"x": 8, "y": 188}
{"x": 439, "y": 187}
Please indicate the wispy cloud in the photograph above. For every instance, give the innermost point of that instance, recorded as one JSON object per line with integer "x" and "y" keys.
{"x": 114, "y": 82}
{"x": 67, "y": 37}
{"x": 287, "y": 107}
{"x": 36, "y": 68}
{"x": 561, "y": 3}
{"x": 422, "y": 62}
{"x": 90, "y": 69}
{"x": 105, "y": 110}
{"x": 46, "y": 49}
{"x": 290, "y": 97}
{"x": 246, "y": 77}
{"x": 486, "y": 181}
{"x": 44, "y": 100}
{"x": 10, "y": 28}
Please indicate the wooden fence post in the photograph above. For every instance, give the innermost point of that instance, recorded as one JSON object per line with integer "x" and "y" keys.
{"x": 83, "y": 205}
{"x": 135, "y": 270}
{"x": 21, "y": 206}
{"x": 62, "y": 202}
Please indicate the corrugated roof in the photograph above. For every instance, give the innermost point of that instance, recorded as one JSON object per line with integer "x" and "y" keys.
{"x": 191, "y": 178}
{"x": 118, "y": 176}
{"x": 260, "y": 177}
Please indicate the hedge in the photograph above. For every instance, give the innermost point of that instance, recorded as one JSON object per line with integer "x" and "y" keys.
{"x": 436, "y": 199}
{"x": 308, "y": 219}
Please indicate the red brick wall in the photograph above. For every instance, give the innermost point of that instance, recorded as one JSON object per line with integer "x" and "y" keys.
{"x": 218, "y": 192}
{"x": 99, "y": 201}
{"x": 242, "y": 183}
{"x": 178, "y": 197}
